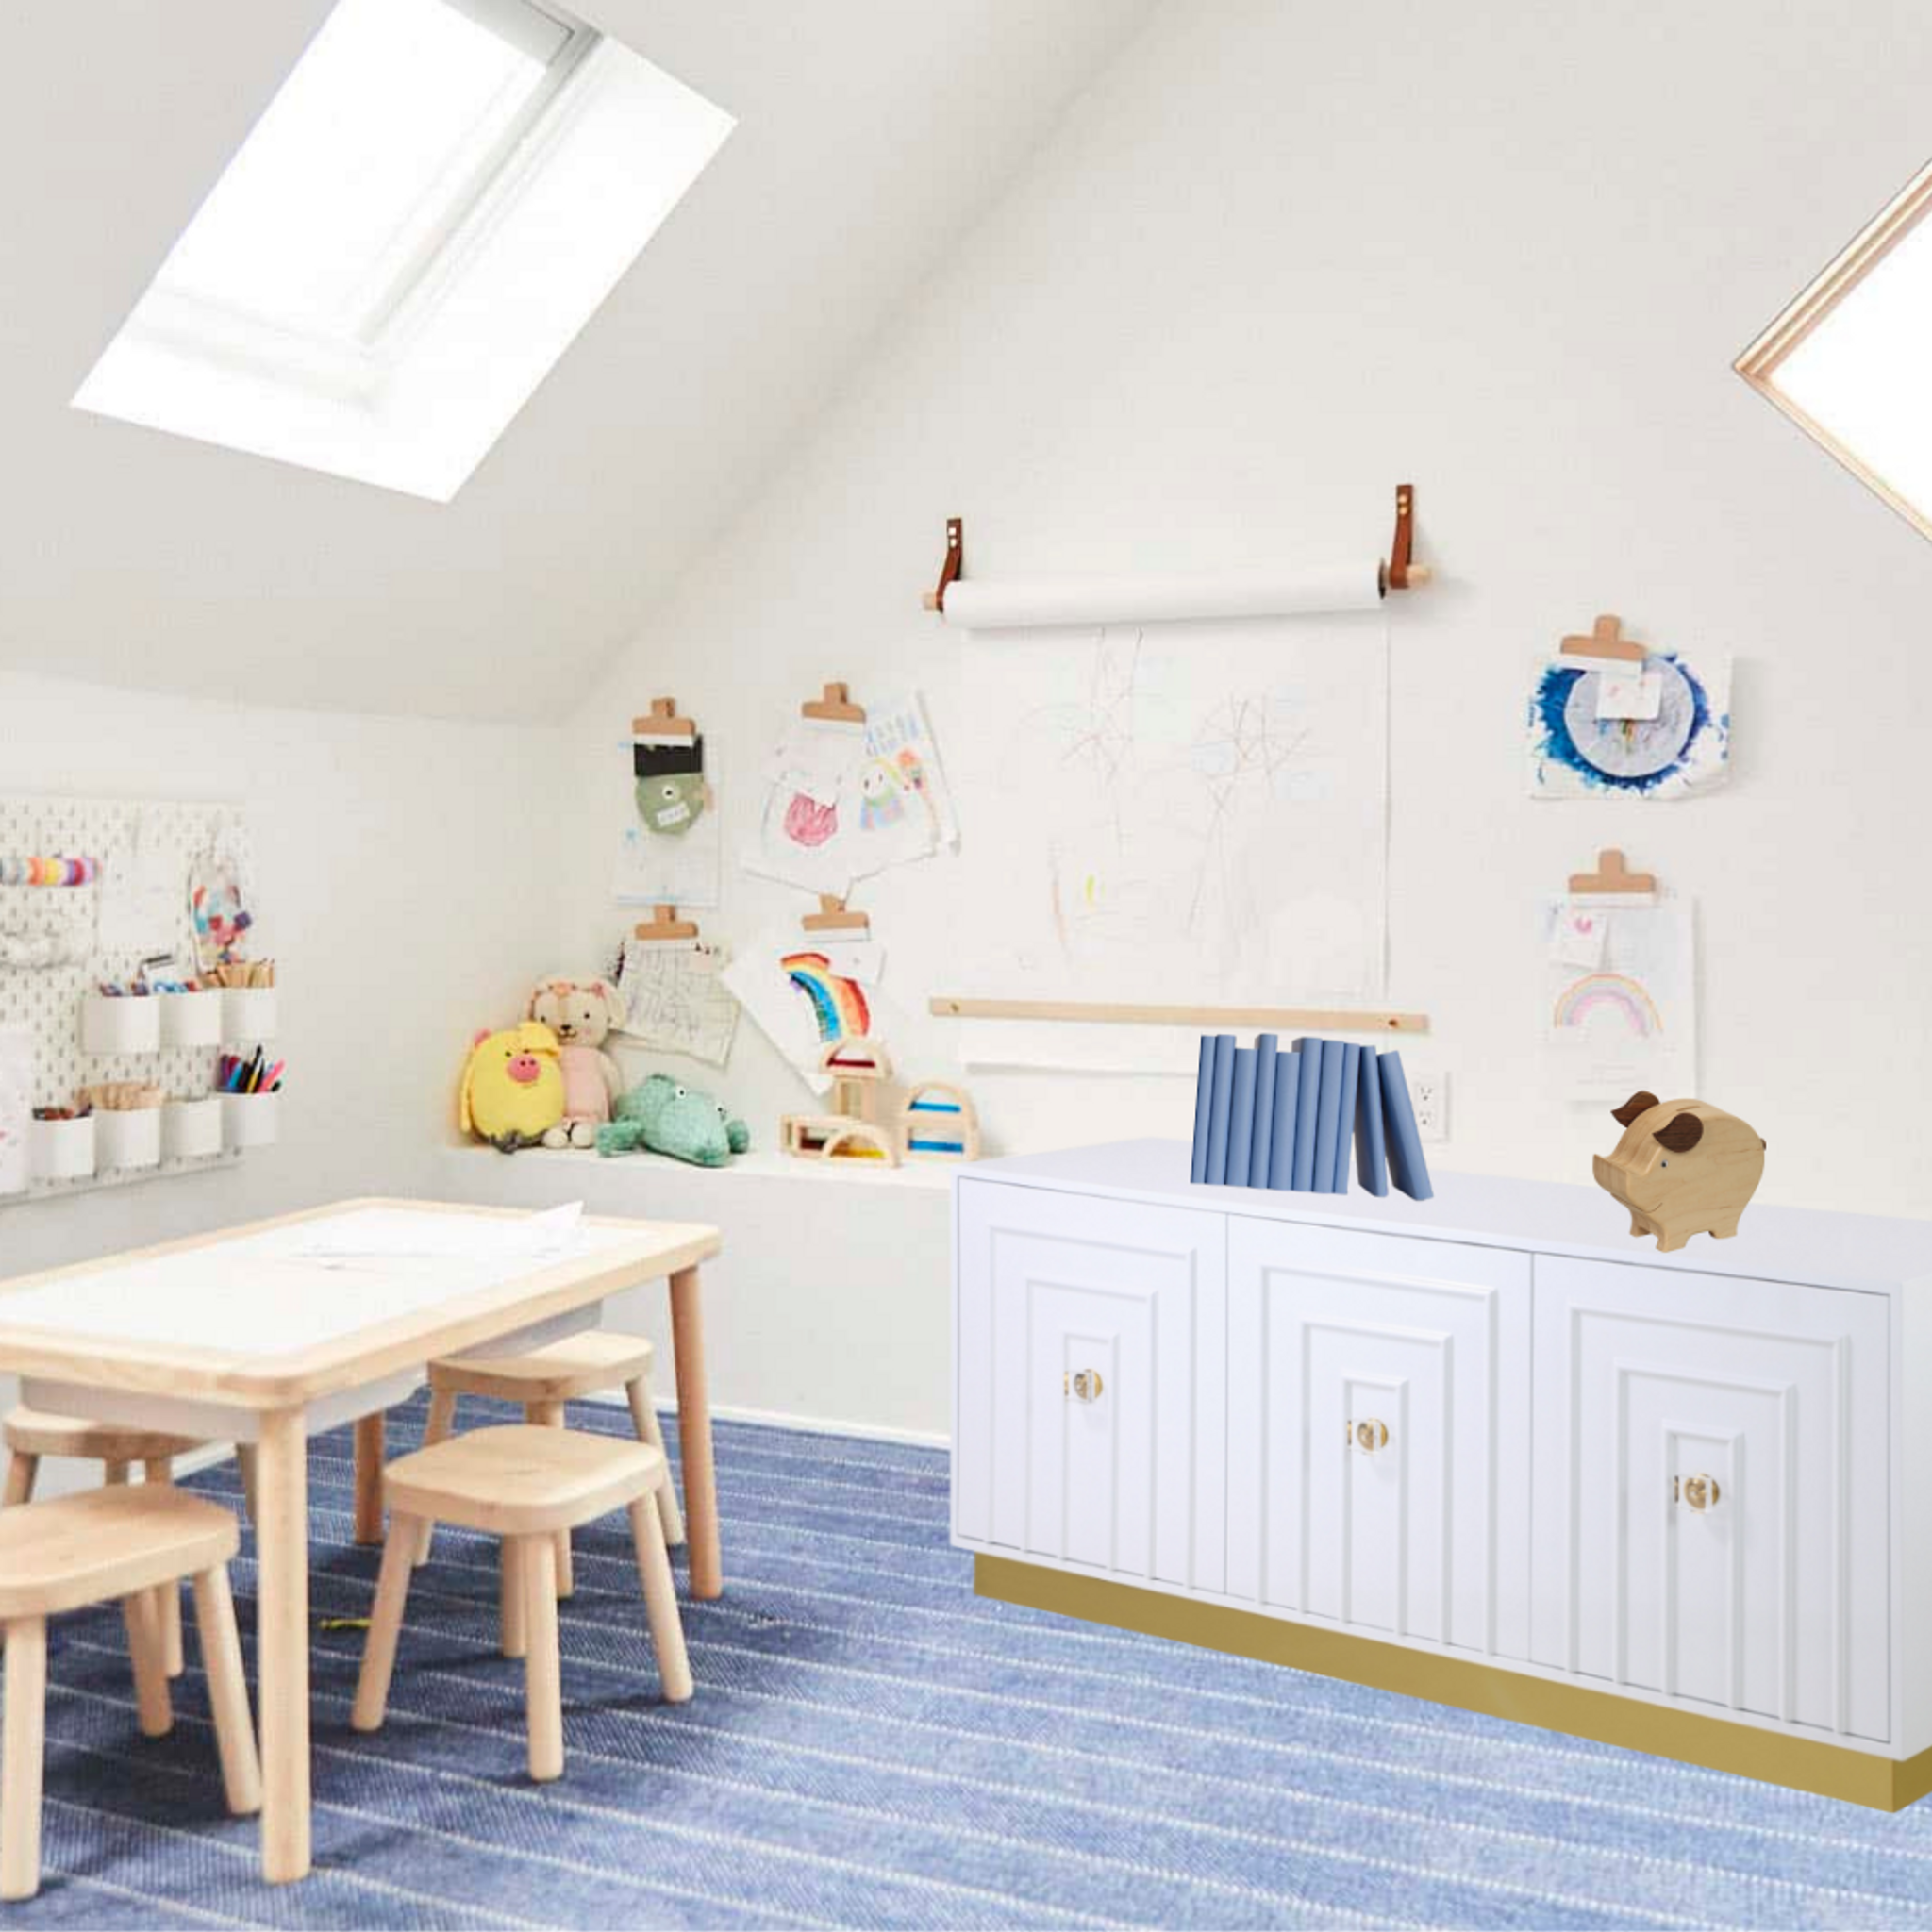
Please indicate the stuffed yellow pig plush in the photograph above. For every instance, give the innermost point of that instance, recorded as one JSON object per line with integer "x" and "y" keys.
{"x": 512, "y": 1092}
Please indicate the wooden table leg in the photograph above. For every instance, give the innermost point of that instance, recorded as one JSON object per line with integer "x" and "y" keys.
{"x": 369, "y": 1451}
{"x": 281, "y": 1529}
{"x": 695, "y": 1436}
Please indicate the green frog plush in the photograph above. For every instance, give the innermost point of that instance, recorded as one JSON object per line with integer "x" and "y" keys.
{"x": 665, "y": 1117}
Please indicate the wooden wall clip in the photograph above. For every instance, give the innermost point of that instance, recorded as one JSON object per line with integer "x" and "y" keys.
{"x": 835, "y": 706}
{"x": 663, "y": 722}
{"x": 955, "y": 559}
{"x": 1401, "y": 573}
{"x": 664, "y": 923}
{"x": 1604, "y": 642}
{"x": 834, "y": 916}
{"x": 1612, "y": 875}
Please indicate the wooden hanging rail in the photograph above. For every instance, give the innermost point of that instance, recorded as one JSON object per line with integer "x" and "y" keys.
{"x": 1397, "y": 571}
{"x": 1318, "y": 1018}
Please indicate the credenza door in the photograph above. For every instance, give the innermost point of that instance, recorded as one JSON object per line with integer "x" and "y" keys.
{"x": 1092, "y": 1359}
{"x": 1378, "y": 1432}
{"x": 1712, "y": 1494}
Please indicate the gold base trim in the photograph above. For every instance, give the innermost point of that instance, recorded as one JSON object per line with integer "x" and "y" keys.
{"x": 1802, "y": 1764}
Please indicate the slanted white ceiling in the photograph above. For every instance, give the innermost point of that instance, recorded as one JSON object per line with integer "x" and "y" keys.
{"x": 870, "y": 134}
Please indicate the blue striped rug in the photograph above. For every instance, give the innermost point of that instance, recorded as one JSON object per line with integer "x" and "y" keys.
{"x": 871, "y": 1745}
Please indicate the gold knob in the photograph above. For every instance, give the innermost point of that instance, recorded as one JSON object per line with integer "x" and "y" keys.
{"x": 1369, "y": 1435}
{"x": 1700, "y": 1492}
{"x": 1083, "y": 1385}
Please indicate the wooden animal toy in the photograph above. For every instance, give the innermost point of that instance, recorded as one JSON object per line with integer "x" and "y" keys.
{"x": 1682, "y": 1165}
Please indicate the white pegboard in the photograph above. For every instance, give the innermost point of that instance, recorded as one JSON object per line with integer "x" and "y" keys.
{"x": 46, "y": 1000}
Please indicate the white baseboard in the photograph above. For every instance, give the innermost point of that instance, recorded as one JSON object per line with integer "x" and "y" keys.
{"x": 812, "y": 1424}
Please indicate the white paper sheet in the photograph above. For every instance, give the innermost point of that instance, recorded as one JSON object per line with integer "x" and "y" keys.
{"x": 1630, "y": 1021}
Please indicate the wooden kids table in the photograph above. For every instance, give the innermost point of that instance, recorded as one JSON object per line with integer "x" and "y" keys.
{"x": 266, "y": 1333}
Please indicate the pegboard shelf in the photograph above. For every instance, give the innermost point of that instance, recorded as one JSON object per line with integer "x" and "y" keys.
{"x": 100, "y": 933}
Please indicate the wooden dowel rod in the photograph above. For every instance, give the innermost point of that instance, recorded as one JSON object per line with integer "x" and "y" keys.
{"x": 1328, "y": 1018}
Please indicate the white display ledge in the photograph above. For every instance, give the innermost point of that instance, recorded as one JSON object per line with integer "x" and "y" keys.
{"x": 763, "y": 1163}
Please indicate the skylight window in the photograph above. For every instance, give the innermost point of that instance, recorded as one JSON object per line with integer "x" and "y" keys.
{"x": 1850, "y": 361}
{"x": 430, "y": 209}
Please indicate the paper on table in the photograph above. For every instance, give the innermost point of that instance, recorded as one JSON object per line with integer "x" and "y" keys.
{"x": 402, "y": 1236}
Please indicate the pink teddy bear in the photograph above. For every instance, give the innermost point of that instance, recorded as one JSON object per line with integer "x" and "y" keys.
{"x": 582, "y": 1013}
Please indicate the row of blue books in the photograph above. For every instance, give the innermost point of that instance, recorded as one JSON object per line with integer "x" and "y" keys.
{"x": 1268, "y": 1119}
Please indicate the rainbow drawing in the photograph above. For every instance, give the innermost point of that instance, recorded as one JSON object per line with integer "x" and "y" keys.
{"x": 1613, "y": 991}
{"x": 837, "y": 1004}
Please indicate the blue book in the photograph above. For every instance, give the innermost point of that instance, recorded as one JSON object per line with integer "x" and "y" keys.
{"x": 1288, "y": 1089}
{"x": 1371, "y": 1163}
{"x": 1204, "y": 1107}
{"x": 1241, "y": 1117}
{"x": 1307, "y": 1053}
{"x": 1407, "y": 1167}
{"x": 1328, "y": 1121}
{"x": 1267, "y": 1050}
{"x": 1351, "y": 1073}
{"x": 1221, "y": 1105}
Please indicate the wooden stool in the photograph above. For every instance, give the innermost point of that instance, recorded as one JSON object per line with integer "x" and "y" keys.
{"x": 544, "y": 1380}
{"x": 524, "y": 1483}
{"x": 32, "y": 1433}
{"x": 125, "y": 1542}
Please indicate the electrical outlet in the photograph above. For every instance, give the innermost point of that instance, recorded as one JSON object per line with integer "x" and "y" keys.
{"x": 1429, "y": 1097}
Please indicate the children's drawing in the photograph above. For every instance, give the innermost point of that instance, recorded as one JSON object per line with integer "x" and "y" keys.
{"x": 1631, "y": 1020}
{"x": 807, "y": 996}
{"x": 1187, "y": 810}
{"x": 16, "y": 1105}
{"x": 845, "y": 801}
{"x": 669, "y": 775}
{"x": 1583, "y": 743}
{"x": 677, "y": 999}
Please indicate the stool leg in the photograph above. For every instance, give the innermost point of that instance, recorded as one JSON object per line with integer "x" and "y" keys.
{"x": 227, "y": 1690}
{"x": 643, "y": 1417}
{"x": 21, "y": 1471}
{"x": 550, "y": 1415}
{"x": 542, "y": 1668}
{"x": 443, "y": 1416}
{"x": 21, "y": 1751}
{"x": 146, "y": 1653}
{"x": 660, "y": 1600}
{"x": 385, "y": 1621}
{"x": 161, "y": 1470}
{"x": 509, "y": 1559}
{"x": 244, "y": 1456}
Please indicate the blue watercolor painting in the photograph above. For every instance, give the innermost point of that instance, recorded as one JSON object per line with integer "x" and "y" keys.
{"x": 1684, "y": 749}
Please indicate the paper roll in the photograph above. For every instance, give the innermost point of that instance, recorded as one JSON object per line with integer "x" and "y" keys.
{"x": 1159, "y": 599}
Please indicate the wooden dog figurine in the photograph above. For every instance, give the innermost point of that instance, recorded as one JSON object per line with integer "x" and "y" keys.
{"x": 1682, "y": 1165}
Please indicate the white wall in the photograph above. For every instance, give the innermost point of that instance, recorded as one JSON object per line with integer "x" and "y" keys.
{"x": 1277, "y": 259}
{"x": 408, "y": 897}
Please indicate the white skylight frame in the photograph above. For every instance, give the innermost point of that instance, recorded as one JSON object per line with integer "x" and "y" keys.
{"x": 1850, "y": 359}
{"x": 410, "y": 388}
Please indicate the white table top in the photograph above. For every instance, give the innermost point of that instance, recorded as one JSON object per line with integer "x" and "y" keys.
{"x": 317, "y": 1299}
{"x": 1875, "y": 1254}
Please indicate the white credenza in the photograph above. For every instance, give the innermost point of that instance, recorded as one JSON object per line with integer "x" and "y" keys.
{"x": 1487, "y": 1448}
